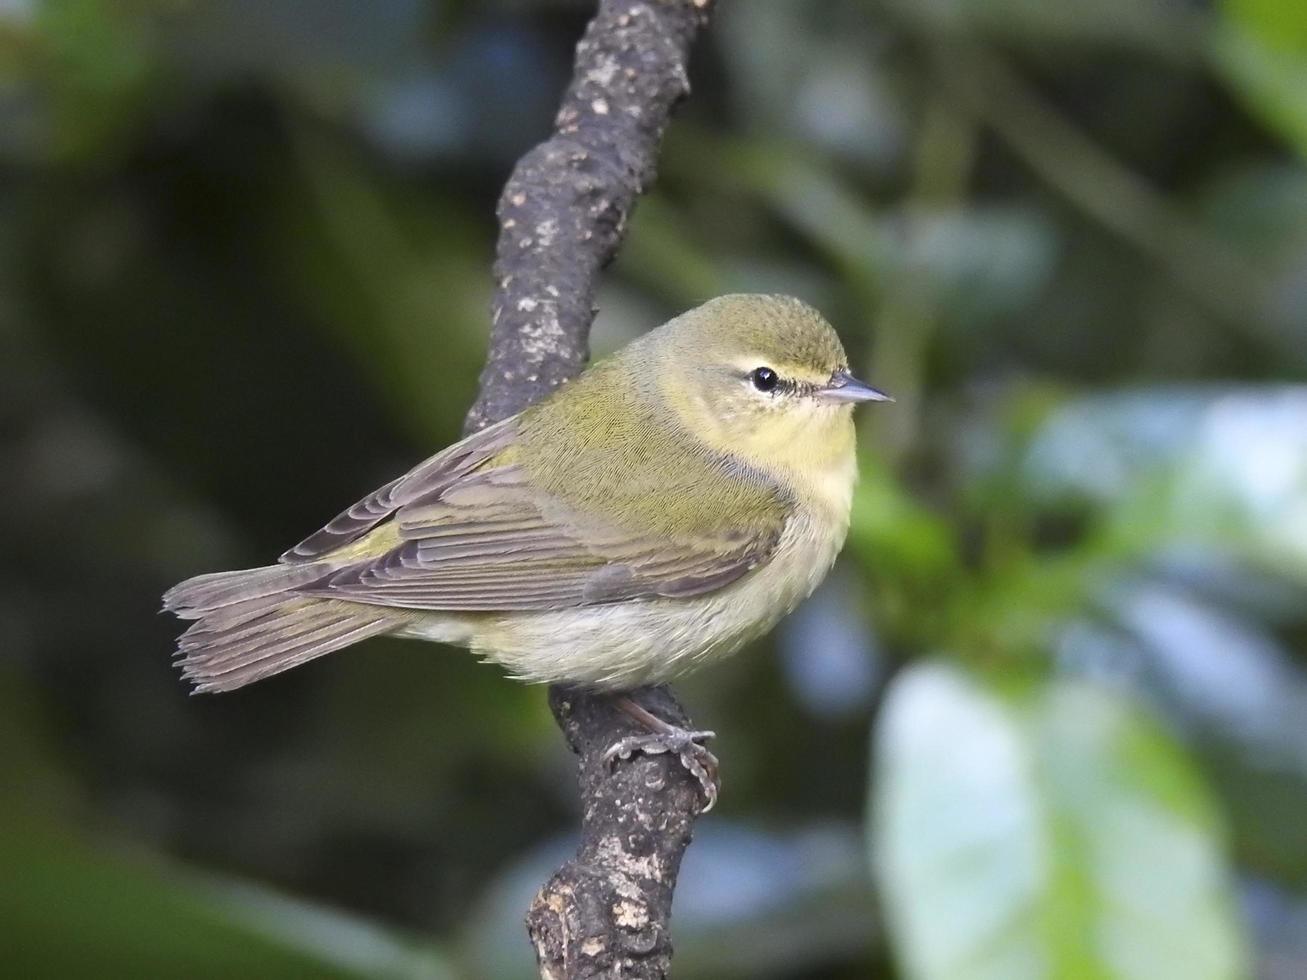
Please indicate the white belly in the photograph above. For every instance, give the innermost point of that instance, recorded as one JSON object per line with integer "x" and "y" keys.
{"x": 627, "y": 644}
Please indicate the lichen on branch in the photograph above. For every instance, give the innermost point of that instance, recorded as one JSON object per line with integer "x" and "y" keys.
{"x": 562, "y": 216}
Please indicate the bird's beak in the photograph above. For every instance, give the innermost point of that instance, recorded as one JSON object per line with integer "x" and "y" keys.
{"x": 844, "y": 387}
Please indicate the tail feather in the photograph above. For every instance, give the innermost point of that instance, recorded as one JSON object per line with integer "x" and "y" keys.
{"x": 226, "y": 618}
{"x": 292, "y": 633}
{"x": 251, "y": 624}
{"x": 199, "y": 596}
{"x": 291, "y": 622}
{"x": 226, "y": 628}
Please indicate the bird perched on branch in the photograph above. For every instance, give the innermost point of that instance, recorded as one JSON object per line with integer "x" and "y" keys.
{"x": 670, "y": 504}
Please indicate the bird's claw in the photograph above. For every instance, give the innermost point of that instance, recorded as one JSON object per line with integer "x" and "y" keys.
{"x": 694, "y": 756}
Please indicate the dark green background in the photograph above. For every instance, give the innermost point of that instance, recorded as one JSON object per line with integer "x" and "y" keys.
{"x": 244, "y": 278}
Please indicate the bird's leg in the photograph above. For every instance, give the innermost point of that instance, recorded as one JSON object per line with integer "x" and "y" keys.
{"x": 664, "y": 737}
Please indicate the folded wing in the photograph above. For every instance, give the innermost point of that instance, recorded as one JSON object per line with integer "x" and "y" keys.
{"x": 473, "y": 535}
{"x": 424, "y": 481}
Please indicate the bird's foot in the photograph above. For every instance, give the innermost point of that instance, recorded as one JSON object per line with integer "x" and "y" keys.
{"x": 664, "y": 737}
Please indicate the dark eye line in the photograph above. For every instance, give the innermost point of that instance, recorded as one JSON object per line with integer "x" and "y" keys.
{"x": 770, "y": 382}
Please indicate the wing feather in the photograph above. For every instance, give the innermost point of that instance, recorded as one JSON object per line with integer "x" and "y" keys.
{"x": 428, "y": 478}
{"x": 505, "y": 545}
{"x": 472, "y": 533}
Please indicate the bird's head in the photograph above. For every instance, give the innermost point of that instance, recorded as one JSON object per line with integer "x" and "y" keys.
{"x": 762, "y": 377}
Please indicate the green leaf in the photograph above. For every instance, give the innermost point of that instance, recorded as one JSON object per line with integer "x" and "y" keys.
{"x": 1261, "y": 48}
{"x": 894, "y": 532}
{"x": 1280, "y": 23}
{"x": 1046, "y": 832}
{"x": 69, "y": 910}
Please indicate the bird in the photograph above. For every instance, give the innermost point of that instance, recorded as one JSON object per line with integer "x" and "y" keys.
{"x": 653, "y": 515}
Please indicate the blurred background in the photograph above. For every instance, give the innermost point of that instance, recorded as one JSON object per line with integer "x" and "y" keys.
{"x": 1047, "y": 719}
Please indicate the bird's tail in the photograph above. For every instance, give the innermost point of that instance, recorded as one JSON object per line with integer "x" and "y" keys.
{"x": 251, "y": 624}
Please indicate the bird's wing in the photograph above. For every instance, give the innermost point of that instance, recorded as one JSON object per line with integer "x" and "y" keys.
{"x": 491, "y": 540}
{"x": 424, "y": 481}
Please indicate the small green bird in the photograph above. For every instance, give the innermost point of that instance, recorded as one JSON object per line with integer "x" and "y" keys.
{"x": 671, "y": 503}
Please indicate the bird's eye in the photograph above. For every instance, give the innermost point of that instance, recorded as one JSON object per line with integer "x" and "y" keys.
{"x": 764, "y": 379}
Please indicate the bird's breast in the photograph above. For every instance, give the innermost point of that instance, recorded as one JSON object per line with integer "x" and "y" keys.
{"x": 624, "y": 644}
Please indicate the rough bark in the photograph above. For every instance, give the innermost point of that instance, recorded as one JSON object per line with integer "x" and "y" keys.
{"x": 562, "y": 216}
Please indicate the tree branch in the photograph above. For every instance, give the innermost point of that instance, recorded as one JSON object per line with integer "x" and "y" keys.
{"x": 562, "y": 216}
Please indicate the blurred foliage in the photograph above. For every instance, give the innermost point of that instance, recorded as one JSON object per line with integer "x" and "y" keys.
{"x": 1044, "y": 830}
{"x": 244, "y": 276}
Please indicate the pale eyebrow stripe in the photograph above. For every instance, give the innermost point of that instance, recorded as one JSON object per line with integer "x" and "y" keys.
{"x": 791, "y": 374}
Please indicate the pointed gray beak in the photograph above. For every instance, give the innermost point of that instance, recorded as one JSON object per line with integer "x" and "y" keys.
{"x": 844, "y": 387}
